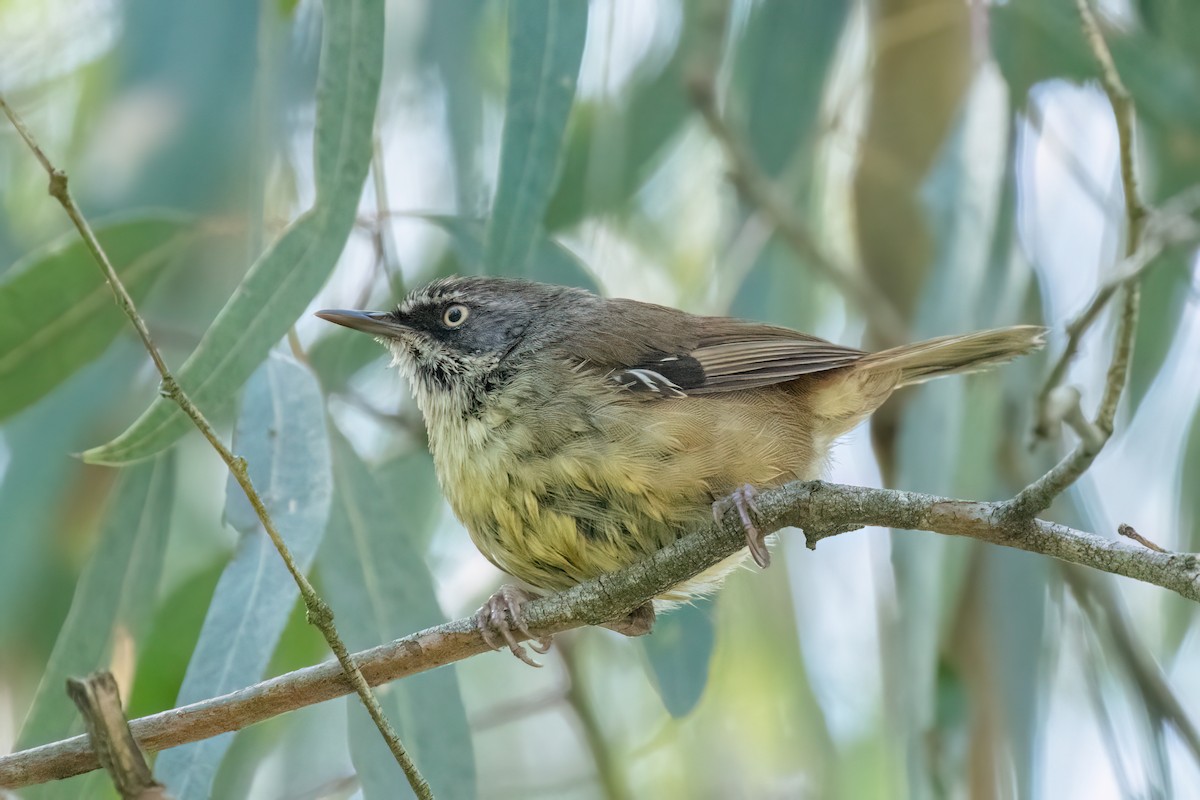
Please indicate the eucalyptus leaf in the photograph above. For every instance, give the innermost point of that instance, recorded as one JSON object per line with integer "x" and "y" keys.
{"x": 413, "y": 474}
{"x": 36, "y": 445}
{"x": 781, "y": 65}
{"x": 550, "y": 263}
{"x": 614, "y": 145}
{"x": 1036, "y": 40}
{"x": 282, "y": 435}
{"x": 680, "y": 654}
{"x": 285, "y": 278}
{"x": 57, "y": 312}
{"x": 1181, "y": 614}
{"x": 339, "y": 354}
{"x": 378, "y": 581}
{"x": 452, "y": 43}
{"x": 949, "y": 428}
{"x": 114, "y": 600}
{"x": 1165, "y": 291}
{"x": 545, "y": 42}
{"x": 779, "y": 290}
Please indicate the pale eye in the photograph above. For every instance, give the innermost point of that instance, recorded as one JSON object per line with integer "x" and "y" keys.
{"x": 455, "y": 315}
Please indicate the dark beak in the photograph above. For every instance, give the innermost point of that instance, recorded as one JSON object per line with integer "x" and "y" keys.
{"x": 376, "y": 323}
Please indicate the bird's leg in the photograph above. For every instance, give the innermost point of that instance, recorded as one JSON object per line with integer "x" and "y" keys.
{"x": 638, "y": 622}
{"x": 743, "y": 500}
{"x": 502, "y": 615}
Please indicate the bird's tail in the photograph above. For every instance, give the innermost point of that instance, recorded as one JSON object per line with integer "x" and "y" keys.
{"x": 947, "y": 355}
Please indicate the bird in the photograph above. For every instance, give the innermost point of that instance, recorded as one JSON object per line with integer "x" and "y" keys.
{"x": 574, "y": 434}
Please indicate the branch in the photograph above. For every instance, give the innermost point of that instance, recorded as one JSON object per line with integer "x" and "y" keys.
{"x": 758, "y": 189}
{"x": 1038, "y": 496}
{"x": 99, "y": 702}
{"x": 820, "y": 509}
{"x": 1171, "y": 225}
{"x": 319, "y": 612}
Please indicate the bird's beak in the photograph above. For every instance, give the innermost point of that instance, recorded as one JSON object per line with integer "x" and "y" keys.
{"x": 376, "y": 323}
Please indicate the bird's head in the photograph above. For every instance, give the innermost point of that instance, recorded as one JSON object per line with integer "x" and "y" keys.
{"x": 457, "y": 338}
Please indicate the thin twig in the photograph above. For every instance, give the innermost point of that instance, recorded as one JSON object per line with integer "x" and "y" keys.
{"x": 319, "y": 613}
{"x": 1038, "y": 495}
{"x": 99, "y": 701}
{"x": 1129, "y": 532}
{"x": 820, "y": 509}
{"x": 759, "y": 190}
{"x": 1171, "y": 225}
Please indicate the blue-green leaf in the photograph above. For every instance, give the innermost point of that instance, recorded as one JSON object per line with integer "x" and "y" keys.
{"x": 282, "y": 435}
{"x": 377, "y": 580}
{"x": 287, "y": 276}
{"x": 57, "y": 312}
{"x": 114, "y": 599}
{"x": 781, "y": 63}
{"x": 37, "y": 445}
{"x": 680, "y": 652}
{"x": 545, "y": 46}
{"x": 551, "y": 262}
{"x": 614, "y": 144}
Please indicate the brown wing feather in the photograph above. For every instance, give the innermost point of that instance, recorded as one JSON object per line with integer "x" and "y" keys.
{"x": 667, "y": 352}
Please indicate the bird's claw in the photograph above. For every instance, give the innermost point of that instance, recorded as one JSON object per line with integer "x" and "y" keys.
{"x": 744, "y": 500}
{"x": 501, "y": 615}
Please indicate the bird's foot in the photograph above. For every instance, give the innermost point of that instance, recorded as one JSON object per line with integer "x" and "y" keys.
{"x": 743, "y": 500}
{"x": 500, "y": 618}
{"x": 638, "y": 622}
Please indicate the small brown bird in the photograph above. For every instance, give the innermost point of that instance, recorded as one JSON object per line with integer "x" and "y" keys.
{"x": 574, "y": 435}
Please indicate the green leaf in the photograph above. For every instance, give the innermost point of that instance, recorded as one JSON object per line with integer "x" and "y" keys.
{"x": 114, "y": 599}
{"x": 680, "y": 653}
{"x": 1036, "y": 40}
{"x": 781, "y": 66}
{"x": 413, "y": 473}
{"x": 57, "y": 312}
{"x": 339, "y": 354}
{"x": 378, "y": 582}
{"x": 1165, "y": 290}
{"x": 551, "y": 262}
{"x": 614, "y": 145}
{"x": 37, "y": 445}
{"x": 285, "y": 278}
{"x": 453, "y": 42}
{"x": 1180, "y": 613}
{"x": 281, "y": 433}
{"x": 779, "y": 290}
{"x": 545, "y": 41}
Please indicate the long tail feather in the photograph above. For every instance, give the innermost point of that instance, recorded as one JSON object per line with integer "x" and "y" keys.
{"x": 947, "y": 355}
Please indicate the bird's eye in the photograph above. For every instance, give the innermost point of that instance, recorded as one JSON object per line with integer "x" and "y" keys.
{"x": 455, "y": 315}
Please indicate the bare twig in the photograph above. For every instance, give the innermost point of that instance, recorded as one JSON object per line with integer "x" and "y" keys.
{"x": 99, "y": 701}
{"x": 1129, "y": 532}
{"x": 1038, "y": 495}
{"x": 821, "y": 509}
{"x": 1171, "y": 225}
{"x": 319, "y": 613}
{"x": 758, "y": 189}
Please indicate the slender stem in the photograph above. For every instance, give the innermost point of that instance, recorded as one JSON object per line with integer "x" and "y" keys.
{"x": 319, "y": 613}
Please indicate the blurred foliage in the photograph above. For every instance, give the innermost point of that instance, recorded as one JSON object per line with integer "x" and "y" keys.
{"x": 244, "y": 163}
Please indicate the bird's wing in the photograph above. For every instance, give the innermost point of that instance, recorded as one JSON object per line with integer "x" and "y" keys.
{"x": 670, "y": 354}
